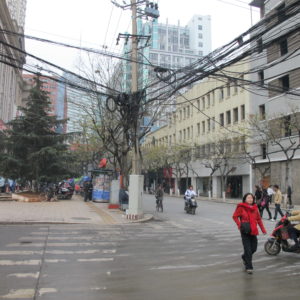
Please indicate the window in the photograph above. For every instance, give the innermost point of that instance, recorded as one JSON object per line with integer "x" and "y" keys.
{"x": 235, "y": 115}
{"x": 213, "y": 123}
{"x": 200, "y": 35}
{"x": 236, "y": 145}
{"x": 180, "y": 136}
{"x": 228, "y": 89}
{"x": 263, "y": 148}
{"x": 198, "y": 129}
{"x": 262, "y": 112}
{"x": 188, "y": 133}
{"x": 287, "y": 126}
{"x": 184, "y": 134}
{"x": 235, "y": 87}
{"x": 285, "y": 83}
{"x": 184, "y": 113}
{"x": 242, "y": 82}
{"x": 203, "y": 127}
{"x": 203, "y": 103}
{"x": 283, "y": 45}
{"x": 200, "y": 44}
{"x": 192, "y": 132}
{"x": 222, "y": 119}
{"x": 242, "y": 112}
{"x": 200, "y": 53}
{"x": 188, "y": 111}
{"x": 261, "y": 78}
{"x": 198, "y": 104}
{"x": 213, "y": 98}
{"x": 281, "y": 12}
{"x": 208, "y": 125}
{"x": 221, "y": 94}
{"x": 228, "y": 117}
{"x": 180, "y": 115}
{"x": 259, "y": 45}
{"x": 199, "y": 27}
{"x": 208, "y": 101}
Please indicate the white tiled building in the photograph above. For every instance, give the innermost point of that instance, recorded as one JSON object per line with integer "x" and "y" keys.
{"x": 12, "y": 18}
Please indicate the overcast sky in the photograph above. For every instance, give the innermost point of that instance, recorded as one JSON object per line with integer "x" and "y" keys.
{"x": 94, "y": 23}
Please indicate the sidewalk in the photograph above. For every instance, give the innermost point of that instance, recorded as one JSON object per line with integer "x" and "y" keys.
{"x": 74, "y": 211}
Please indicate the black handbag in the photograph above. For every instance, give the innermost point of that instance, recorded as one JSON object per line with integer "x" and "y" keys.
{"x": 245, "y": 228}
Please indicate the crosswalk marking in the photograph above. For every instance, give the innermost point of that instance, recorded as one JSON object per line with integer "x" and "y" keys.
{"x": 31, "y": 262}
{"x": 24, "y": 275}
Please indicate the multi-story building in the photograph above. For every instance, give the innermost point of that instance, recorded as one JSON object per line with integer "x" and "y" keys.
{"x": 12, "y": 18}
{"x": 79, "y": 103}
{"x": 276, "y": 67}
{"x": 171, "y": 46}
{"x": 56, "y": 93}
{"x": 211, "y": 115}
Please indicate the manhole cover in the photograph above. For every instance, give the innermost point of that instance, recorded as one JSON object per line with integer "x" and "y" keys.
{"x": 80, "y": 218}
{"x": 26, "y": 242}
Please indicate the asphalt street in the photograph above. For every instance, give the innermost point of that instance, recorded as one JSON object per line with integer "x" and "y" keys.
{"x": 176, "y": 256}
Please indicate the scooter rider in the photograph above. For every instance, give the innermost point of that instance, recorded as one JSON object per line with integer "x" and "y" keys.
{"x": 189, "y": 194}
{"x": 294, "y": 231}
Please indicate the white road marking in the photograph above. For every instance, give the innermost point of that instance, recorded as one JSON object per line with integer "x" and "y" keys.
{"x": 20, "y": 252}
{"x": 24, "y": 275}
{"x": 98, "y": 288}
{"x": 17, "y": 294}
{"x": 94, "y": 259}
{"x": 33, "y": 262}
{"x": 55, "y": 260}
{"x": 43, "y": 291}
{"x": 61, "y": 244}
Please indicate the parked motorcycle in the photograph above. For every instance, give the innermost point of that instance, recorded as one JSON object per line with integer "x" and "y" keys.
{"x": 190, "y": 205}
{"x": 64, "y": 193}
{"x": 279, "y": 239}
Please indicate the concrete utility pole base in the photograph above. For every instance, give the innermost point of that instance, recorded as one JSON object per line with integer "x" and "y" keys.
{"x": 135, "y": 210}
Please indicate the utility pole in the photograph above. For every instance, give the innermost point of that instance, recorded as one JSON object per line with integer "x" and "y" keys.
{"x": 136, "y": 180}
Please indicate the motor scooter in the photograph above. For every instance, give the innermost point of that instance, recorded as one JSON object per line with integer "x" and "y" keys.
{"x": 279, "y": 238}
{"x": 190, "y": 205}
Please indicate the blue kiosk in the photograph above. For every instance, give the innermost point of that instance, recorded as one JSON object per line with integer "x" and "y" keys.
{"x": 101, "y": 179}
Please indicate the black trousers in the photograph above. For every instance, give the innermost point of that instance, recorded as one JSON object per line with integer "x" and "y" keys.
{"x": 277, "y": 210}
{"x": 268, "y": 210}
{"x": 250, "y": 247}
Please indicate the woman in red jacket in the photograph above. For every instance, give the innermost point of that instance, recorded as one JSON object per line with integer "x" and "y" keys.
{"x": 247, "y": 216}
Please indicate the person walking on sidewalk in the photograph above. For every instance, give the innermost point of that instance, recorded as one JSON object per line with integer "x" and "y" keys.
{"x": 265, "y": 204}
{"x": 277, "y": 201}
{"x": 247, "y": 216}
{"x": 88, "y": 191}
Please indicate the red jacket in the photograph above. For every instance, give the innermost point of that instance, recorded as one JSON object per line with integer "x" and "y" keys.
{"x": 248, "y": 213}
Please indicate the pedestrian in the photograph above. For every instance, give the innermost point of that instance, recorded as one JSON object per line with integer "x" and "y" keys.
{"x": 270, "y": 192}
{"x": 277, "y": 201}
{"x": 258, "y": 196}
{"x": 159, "y": 195}
{"x": 265, "y": 204}
{"x": 88, "y": 190}
{"x": 289, "y": 196}
{"x": 247, "y": 216}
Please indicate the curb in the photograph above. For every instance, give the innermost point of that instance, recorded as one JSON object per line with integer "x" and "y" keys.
{"x": 147, "y": 218}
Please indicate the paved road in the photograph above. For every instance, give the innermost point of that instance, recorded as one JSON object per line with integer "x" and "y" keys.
{"x": 177, "y": 256}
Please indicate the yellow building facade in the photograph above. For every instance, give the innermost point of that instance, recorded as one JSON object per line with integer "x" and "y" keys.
{"x": 214, "y": 109}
